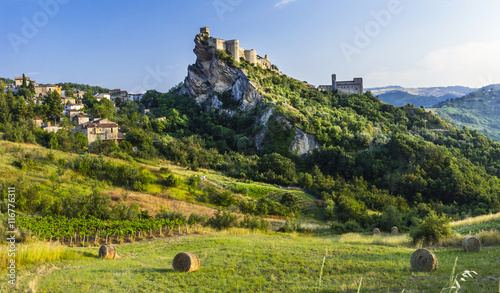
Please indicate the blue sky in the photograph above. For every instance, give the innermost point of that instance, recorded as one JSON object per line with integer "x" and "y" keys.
{"x": 139, "y": 45}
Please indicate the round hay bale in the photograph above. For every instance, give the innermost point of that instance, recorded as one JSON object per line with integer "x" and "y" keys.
{"x": 376, "y": 231}
{"x": 186, "y": 262}
{"x": 422, "y": 260}
{"x": 107, "y": 251}
{"x": 471, "y": 244}
{"x": 394, "y": 230}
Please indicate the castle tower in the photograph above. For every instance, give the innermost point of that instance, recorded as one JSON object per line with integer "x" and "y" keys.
{"x": 359, "y": 82}
{"x": 251, "y": 56}
{"x": 334, "y": 82}
{"x": 233, "y": 46}
{"x": 204, "y": 30}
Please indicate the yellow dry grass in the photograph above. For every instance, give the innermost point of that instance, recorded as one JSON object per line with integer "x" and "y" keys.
{"x": 37, "y": 252}
{"x": 475, "y": 220}
{"x": 399, "y": 240}
{"x": 153, "y": 204}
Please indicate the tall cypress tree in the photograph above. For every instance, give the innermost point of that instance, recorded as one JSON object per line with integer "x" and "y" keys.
{"x": 24, "y": 85}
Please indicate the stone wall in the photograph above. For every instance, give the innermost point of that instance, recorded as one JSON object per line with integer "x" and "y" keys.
{"x": 237, "y": 52}
{"x": 345, "y": 87}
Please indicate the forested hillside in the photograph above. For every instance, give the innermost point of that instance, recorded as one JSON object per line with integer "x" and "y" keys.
{"x": 478, "y": 110}
{"x": 369, "y": 160}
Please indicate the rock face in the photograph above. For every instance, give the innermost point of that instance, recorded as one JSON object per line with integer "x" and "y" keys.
{"x": 262, "y": 122}
{"x": 303, "y": 143}
{"x": 210, "y": 76}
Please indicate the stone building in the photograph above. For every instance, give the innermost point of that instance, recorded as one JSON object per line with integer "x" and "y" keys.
{"x": 345, "y": 87}
{"x": 18, "y": 81}
{"x": 102, "y": 129}
{"x": 51, "y": 128}
{"x": 81, "y": 118}
{"x": 43, "y": 90}
{"x": 237, "y": 52}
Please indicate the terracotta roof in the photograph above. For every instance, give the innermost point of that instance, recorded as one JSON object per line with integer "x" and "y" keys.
{"x": 97, "y": 125}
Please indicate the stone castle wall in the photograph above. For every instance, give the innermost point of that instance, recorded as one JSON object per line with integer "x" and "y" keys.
{"x": 237, "y": 52}
{"x": 345, "y": 87}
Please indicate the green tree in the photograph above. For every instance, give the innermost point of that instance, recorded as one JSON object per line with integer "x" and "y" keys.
{"x": 103, "y": 109}
{"x": 277, "y": 168}
{"x": 432, "y": 229}
{"x": 150, "y": 99}
{"x": 242, "y": 144}
{"x": 89, "y": 100}
{"x": 5, "y": 115}
{"x": 31, "y": 88}
{"x": 54, "y": 102}
{"x": 390, "y": 218}
{"x": 24, "y": 84}
{"x": 290, "y": 201}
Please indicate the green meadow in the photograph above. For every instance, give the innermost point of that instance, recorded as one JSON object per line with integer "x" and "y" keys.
{"x": 241, "y": 261}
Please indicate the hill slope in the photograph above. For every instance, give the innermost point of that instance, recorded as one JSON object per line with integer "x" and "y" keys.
{"x": 478, "y": 110}
{"x": 353, "y": 154}
{"x": 427, "y": 97}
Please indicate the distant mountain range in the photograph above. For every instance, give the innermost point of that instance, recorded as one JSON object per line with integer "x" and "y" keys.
{"x": 427, "y": 97}
{"x": 478, "y": 110}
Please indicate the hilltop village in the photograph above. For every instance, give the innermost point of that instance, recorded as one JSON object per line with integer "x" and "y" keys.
{"x": 97, "y": 128}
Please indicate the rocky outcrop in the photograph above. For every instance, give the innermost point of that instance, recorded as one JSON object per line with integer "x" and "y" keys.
{"x": 262, "y": 122}
{"x": 210, "y": 76}
{"x": 303, "y": 143}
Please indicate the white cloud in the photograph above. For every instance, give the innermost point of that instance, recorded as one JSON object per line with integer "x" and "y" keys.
{"x": 473, "y": 64}
{"x": 283, "y": 3}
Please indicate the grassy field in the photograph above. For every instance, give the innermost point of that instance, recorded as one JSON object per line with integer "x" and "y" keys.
{"x": 245, "y": 262}
{"x": 236, "y": 260}
{"x": 154, "y": 198}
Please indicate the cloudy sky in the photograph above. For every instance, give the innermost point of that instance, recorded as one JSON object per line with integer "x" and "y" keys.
{"x": 139, "y": 45}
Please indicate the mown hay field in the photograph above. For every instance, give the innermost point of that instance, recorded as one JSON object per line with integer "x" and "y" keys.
{"x": 232, "y": 262}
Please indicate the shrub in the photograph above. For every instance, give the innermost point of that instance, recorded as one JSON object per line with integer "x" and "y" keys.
{"x": 223, "y": 220}
{"x": 172, "y": 180}
{"x": 290, "y": 200}
{"x": 337, "y": 227}
{"x": 330, "y": 209}
{"x": 238, "y": 188}
{"x": 195, "y": 218}
{"x": 224, "y": 199}
{"x": 171, "y": 215}
{"x": 390, "y": 218}
{"x": 254, "y": 223}
{"x": 432, "y": 229}
{"x": 352, "y": 226}
{"x": 51, "y": 156}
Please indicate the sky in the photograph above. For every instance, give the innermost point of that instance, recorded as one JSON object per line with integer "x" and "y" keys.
{"x": 148, "y": 44}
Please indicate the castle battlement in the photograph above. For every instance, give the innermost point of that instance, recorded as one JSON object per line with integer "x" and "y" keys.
{"x": 346, "y": 87}
{"x": 237, "y": 52}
